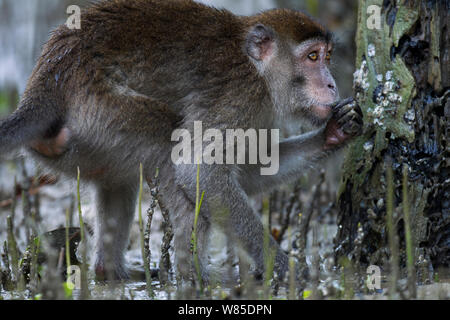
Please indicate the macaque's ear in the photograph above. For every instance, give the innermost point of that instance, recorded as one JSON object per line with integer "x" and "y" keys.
{"x": 260, "y": 42}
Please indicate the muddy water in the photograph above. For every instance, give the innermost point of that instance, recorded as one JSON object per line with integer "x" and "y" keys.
{"x": 55, "y": 199}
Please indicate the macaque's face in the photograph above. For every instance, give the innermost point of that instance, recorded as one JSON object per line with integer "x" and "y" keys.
{"x": 313, "y": 90}
{"x": 297, "y": 75}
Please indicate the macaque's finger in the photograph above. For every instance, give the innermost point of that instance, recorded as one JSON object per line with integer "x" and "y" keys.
{"x": 351, "y": 115}
{"x": 357, "y": 108}
{"x": 352, "y": 124}
{"x": 344, "y": 110}
{"x": 351, "y": 128}
{"x": 346, "y": 106}
{"x": 342, "y": 103}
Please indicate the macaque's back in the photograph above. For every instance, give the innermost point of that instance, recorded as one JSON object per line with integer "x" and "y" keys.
{"x": 142, "y": 45}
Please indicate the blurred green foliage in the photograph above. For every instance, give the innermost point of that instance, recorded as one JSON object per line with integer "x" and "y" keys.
{"x": 4, "y": 104}
{"x": 312, "y": 6}
{"x": 9, "y": 98}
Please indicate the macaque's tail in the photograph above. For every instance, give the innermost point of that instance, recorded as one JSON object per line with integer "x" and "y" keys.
{"x": 33, "y": 119}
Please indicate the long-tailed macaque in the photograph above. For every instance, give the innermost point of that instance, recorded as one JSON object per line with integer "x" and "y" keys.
{"x": 108, "y": 97}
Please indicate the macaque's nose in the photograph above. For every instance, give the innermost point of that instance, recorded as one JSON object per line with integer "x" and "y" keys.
{"x": 332, "y": 86}
{"x": 334, "y": 90}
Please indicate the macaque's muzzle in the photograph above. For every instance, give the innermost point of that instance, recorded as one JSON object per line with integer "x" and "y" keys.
{"x": 322, "y": 111}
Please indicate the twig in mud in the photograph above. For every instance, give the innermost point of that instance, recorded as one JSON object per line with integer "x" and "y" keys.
{"x": 164, "y": 263}
{"x": 35, "y": 210}
{"x": 392, "y": 234}
{"x": 281, "y": 199}
{"x": 84, "y": 280}
{"x": 145, "y": 257}
{"x": 198, "y": 205}
{"x": 408, "y": 237}
{"x": 12, "y": 249}
{"x": 357, "y": 249}
{"x": 292, "y": 294}
{"x": 71, "y": 212}
{"x": 51, "y": 288}
{"x": 61, "y": 257}
{"x": 273, "y": 206}
{"x": 304, "y": 221}
{"x": 7, "y": 281}
{"x": 269, "y": 253}
{"x": 68, "y": 283}
{"x": 147, "y": 233}
{"x": 292, "y": 205}
{"x": 26, "y": 209}
{"x": 25, "y": 195}
{"x": 315, "y": 263}
{"x": 34, "y": 251}
{"x": 14, "y": 201}
{"x": 34, "y": 279}
{"x": 68, "y": 262}
{"x": 306, "y": 218}
{"x": 148, "y": 227}
{"x": 34, "y": 191}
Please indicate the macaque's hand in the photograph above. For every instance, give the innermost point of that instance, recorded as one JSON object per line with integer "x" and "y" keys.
{"x": 345, "y": 124}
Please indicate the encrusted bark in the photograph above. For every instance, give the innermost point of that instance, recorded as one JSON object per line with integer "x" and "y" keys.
{"x": 402, "y": 84}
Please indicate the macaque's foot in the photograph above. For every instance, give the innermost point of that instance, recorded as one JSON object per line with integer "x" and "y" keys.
{"x": 104, "y": 274}
{"x": 345, "y": 124}
{"x": 52, "y": 147}
{"x": 281, "y": 266}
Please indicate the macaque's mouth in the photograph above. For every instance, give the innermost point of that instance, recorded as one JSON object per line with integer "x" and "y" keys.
{"x": 322, "y": 111}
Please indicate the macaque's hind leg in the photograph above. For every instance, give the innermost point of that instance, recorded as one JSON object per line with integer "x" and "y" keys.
{"x": 229, "y": 207}
{"x": 183, "y": 221}
{"x": 203, "y": 243}
{"x": 183, "y": 224}
{"x": 116, "y": 206}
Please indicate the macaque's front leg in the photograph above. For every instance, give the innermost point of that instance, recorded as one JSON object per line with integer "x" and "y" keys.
{"x": 345, "y": 124}
{"x": 301, "y": 152}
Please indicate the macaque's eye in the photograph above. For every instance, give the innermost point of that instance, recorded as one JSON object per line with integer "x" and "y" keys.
{"x": 328, "y": 56}
{"x": 313, "y": 56}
